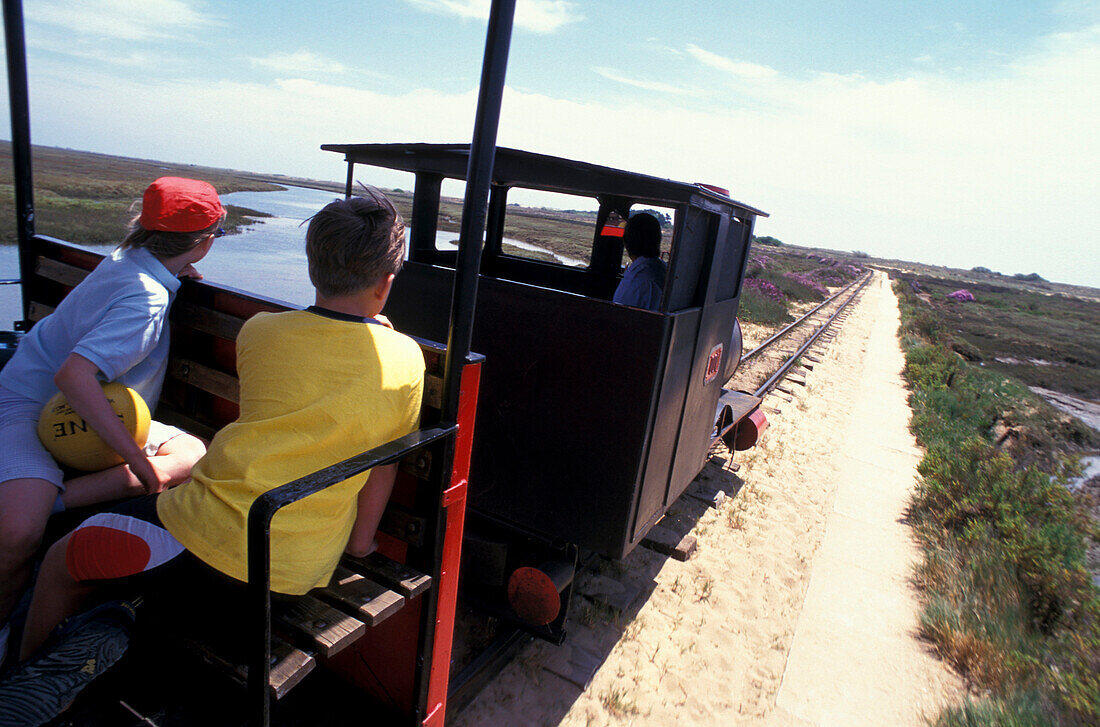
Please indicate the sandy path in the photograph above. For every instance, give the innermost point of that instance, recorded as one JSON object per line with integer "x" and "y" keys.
{"x": 795, "y": 609}
{"x": 859, "y": 611}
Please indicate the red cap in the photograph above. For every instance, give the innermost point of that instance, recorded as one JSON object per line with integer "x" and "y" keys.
{"x": 175, "y": 204}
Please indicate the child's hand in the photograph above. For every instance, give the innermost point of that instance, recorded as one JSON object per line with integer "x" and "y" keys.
{"x": 152, "y": 479}
{"x": 190, "y": 272}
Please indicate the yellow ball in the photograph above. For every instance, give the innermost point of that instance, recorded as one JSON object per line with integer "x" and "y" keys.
{"x": 74, "y": 443}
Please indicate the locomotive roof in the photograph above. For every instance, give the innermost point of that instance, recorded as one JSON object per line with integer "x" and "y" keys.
{"x": 513, "y": 167}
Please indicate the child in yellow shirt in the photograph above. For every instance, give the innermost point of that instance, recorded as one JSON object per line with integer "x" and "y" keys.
{"x": 317, "y": 386}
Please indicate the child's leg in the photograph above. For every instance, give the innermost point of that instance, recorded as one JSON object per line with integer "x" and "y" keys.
{"x": 57, "y": 595}
{"x": 25, "y": 506}
{"x": 108, "y": 549}
{"x": 174, "y": 458}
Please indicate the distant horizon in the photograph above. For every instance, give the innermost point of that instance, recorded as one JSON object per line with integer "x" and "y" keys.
{"x": 1009, "y": 275}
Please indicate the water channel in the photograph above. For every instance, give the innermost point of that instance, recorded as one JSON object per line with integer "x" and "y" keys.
{"x": 267, "y": 257}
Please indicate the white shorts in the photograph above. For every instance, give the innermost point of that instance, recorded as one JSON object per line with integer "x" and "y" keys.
{"x": 24, "y": 456}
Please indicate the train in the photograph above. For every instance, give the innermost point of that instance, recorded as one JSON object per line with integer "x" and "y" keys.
{"x": 593, "y": 417}
{"x": 558, "y": 424}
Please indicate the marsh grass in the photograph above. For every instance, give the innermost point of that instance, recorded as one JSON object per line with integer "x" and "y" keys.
{"x": 795, "y": 286}
{"x": 1026, "y": 709}
{"x": 1038, "y": 338}
{"x": 87, "y": 198}
{"x": 1007, "y": 599}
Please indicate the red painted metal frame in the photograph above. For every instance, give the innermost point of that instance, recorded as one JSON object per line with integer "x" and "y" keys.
{"x": 454, "y": 502}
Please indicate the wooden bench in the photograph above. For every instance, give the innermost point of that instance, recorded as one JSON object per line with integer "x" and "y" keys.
{"x": 201, "y": 394}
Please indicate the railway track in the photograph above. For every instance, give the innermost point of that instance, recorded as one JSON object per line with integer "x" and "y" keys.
{"x": 761, "y": 371}
{"x": 789, "y": 351}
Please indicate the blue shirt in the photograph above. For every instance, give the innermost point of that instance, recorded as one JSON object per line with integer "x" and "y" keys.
{"x": 642, "y": 284}
{"x": 117, "y": 318}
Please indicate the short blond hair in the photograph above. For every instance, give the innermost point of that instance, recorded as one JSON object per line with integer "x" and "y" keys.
{"x": 353, "y": 243}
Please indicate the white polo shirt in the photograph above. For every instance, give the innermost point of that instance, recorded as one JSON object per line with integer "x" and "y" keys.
{"x": 117, "y": 318}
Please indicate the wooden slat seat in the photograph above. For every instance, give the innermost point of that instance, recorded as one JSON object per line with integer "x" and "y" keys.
{"x": 361, "y": 596}
{"x": 396, "y": 576}
{"x": 289, "y": 664}
{"x": 327, "y": 623}
{"x": 321, "y": 627}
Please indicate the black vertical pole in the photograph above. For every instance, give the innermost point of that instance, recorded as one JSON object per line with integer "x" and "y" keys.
{"x": 20, "y": 138}
{"x": 479, "y": 175}
{"x": 258, "y": 592}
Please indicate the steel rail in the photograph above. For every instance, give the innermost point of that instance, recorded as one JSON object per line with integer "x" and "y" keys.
{"x": 790, "y": 327}
{"x": 782, "y": 371}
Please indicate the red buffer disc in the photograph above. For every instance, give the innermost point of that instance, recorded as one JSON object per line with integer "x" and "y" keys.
{"x": 533, "y": 596}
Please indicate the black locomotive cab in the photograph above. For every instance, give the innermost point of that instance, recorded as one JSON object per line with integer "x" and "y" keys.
{"x": 594, "y": 417}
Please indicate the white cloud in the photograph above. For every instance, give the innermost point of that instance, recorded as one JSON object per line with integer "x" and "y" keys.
{"x": 612, "y": 75}
{"x": 120, "y": 19}
{"x": 302, "y": 61}
{"x": 970, "y": 172}
{"x": 129, "y": 58}
{"x": 539, "y": 16}
{"x": 746, "y": 71}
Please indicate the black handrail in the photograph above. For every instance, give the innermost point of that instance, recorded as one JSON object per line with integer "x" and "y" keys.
{"x": 260, "y": 515}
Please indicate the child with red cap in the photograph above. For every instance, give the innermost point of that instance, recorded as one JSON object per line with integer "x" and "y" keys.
{"x": 113, "y": 326}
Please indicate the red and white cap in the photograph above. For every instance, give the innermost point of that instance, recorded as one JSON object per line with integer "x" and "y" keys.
{"x": 176, "y": 204}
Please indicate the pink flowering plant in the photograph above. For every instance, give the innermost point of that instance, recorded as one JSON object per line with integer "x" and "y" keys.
{"x": 806, "y": 281}
{"x": 765, "y": 288}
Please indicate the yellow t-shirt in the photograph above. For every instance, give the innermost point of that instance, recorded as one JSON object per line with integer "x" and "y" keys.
{"x": 314, "y": 391}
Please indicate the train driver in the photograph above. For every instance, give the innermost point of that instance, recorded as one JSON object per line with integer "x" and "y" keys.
{"x": 644, "y": 279}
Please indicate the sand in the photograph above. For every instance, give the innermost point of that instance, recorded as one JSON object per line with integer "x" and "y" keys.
{"x": 796, "y": 607}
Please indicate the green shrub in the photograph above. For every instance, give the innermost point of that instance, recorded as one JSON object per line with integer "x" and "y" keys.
{"x": 1021, "y": 710}
{"x": 931, "y": 367}
{"x": 975, "y": 495}
{"x": 1007, "y": 598}
{"x": 757, "y": 307}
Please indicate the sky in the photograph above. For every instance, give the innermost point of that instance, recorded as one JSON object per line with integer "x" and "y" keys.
{"x": 961, "y": 133}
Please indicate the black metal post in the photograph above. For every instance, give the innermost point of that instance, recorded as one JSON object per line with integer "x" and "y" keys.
{"x": 479, "y": 176}
{"x": 20, "y": 138}
{"x": 259, "y": 593}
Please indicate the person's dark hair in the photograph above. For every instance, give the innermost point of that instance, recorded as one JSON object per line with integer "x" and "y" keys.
{"x": 353, "y": 243}
{"x": 162, "y": 244}
{"x": 642, "y": 237}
